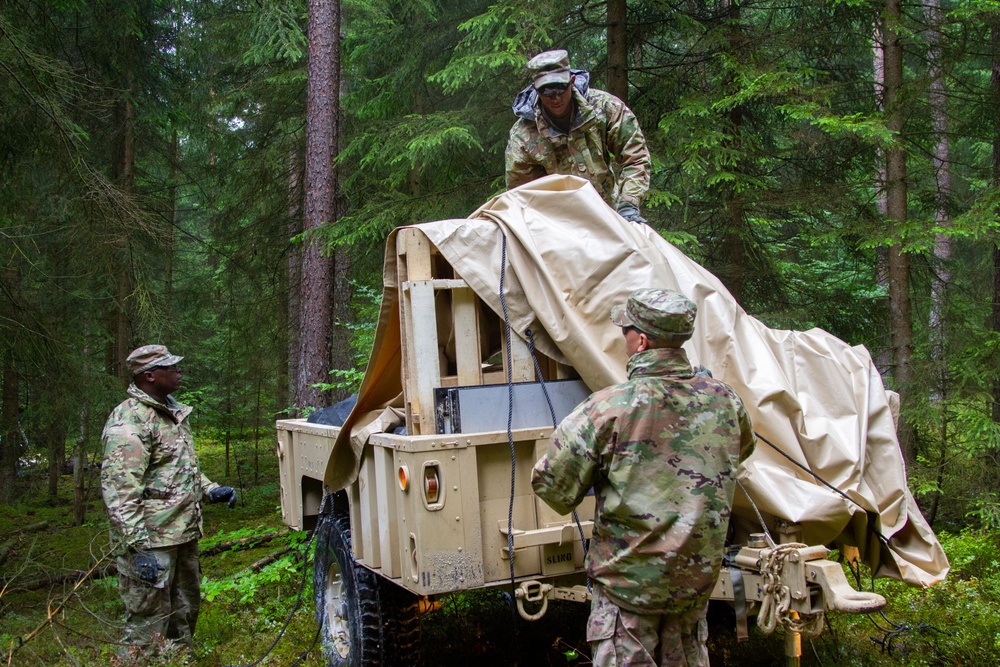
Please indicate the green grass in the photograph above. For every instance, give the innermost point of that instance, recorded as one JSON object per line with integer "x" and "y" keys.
{"x": 953, "y": 623}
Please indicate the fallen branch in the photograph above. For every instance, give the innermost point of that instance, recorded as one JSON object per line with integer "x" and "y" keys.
{"x": 74, "y": 576}
{"x": 249, "y": 542}
{"x": 33, "y": 528}
{"x": 53, "y": 610}
{"x": 265, "y": 561}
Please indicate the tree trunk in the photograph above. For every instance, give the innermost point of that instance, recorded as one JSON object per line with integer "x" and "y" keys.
{"x": 900, "y": 316}
{"x": 122, "y": 325}
{"x": 10, "y": 440}
{"x": 322, "y": 110}
{"x": 617, "y": 49}
{"x": 995, "y": 98}
{"x": 942, "y": 244}
{"x": 288, "y": 385}
{"x": 79, "y": 463}
{"x": 735, "y": 236}
{"x": 169, "y": 233}
{"x": 942, "y": 182}
{"x": 55, "y": 435}
{"x": 883, "y": 353}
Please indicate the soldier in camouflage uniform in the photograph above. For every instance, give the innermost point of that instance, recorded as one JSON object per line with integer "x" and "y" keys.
{"x": 661, "y": 452}
{"x": 153, "y": 490}
{"x": 565, "y": 127}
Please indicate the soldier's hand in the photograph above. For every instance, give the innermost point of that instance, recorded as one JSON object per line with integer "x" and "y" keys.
{"x": 630, "y": 213}
{"x": 145, "y": 566}
{"x": 223, "y": 494}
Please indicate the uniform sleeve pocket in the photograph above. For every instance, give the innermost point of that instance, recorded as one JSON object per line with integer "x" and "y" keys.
{"x": 602, "y": 621}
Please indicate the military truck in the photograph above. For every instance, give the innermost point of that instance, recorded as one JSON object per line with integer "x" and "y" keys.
{"x": 425, "y": 490}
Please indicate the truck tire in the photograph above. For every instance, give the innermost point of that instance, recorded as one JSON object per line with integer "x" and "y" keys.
{"x": 365, "y": 620}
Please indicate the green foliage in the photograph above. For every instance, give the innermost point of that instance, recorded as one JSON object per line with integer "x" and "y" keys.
{"x": 277, "y": 34}
{"x": 952, "y": 623}
{"x": 243, "y": 586}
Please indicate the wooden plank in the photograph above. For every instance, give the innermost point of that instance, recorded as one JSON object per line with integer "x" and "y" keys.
{"x": 388, "y": 511}
{"x": 370, "y": 552}
{"x": 465, "y": 321}
{"x": 522, "y": 368}
{"x": 425, "y": 363}
{"x": 440, "y": 283}
{"x": 357, "y": 523}
{"x": 412, "y": 245}
{"x": 413, "y": 263}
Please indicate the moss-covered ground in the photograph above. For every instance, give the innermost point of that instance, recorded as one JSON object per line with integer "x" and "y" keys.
{"x": 953, "y": 623}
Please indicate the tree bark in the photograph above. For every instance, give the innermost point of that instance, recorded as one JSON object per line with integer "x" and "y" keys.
{"x": 79, "y": 463}
{"x": 617, "y": 25}
{"x": 288, "y": 394}
{"x": 900, "y": 316}
{"x": 883, "y": 353}
{"x": 10, "y": 440}
{"x": 942, "y": 182}
{"x": 995, "y": 99}
{"x": 169, "y": 233}
{"x": 122, "y": 328}
{"x": 322, "y": 110}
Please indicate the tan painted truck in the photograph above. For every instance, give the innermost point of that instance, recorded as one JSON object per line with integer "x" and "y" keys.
{"x": 448, "y": 505}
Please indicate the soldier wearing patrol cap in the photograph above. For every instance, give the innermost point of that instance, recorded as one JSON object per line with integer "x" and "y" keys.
{"x": 661, "y": 452}
{"x": 566, "y": 127}
{"x": 153, "y": 490}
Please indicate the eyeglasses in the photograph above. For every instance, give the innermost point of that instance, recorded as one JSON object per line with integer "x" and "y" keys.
{"x": 553, "y": 89}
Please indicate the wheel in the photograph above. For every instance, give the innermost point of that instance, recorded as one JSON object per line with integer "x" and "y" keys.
{"x": 365, "y": 620}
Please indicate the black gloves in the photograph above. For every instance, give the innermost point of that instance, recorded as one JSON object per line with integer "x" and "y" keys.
{"x": 145, "y": 566}
{"x": 223, "y": 494}
{"x": 630, "y": 213}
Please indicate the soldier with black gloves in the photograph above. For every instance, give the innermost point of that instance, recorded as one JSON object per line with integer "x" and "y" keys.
{"x": 566, "y": 127}
{"x": 153, "y": 490}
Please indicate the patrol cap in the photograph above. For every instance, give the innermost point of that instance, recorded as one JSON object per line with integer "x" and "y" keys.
{"x": 549, "y": 67}
{"x": 661, "y": 314}
{"x": 150, "y": 356}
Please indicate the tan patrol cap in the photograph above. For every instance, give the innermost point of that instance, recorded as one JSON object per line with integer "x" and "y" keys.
{"x": 549, "y": 67}
{"x": 661, "y": 314}
{"x": 150, "y": 356}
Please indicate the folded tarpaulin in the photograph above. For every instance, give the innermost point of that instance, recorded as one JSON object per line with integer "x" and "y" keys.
{"x": 821, "y": 402}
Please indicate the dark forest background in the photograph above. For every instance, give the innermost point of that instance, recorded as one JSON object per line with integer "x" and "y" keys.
{"x": 220, "y": 176}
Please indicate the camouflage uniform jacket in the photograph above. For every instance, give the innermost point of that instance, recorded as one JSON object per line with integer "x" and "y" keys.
{"x": 661, "y": 452}
{"x": 152, "y": 485}
{"x": 604, "y": 132}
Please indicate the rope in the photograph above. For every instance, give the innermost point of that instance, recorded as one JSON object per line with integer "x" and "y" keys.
{"x": 825, "y": 483}
{"x": 760, "y": 518}
{"x": 510, "y": 426}
{"x": 298, "y": 597}
{"x": 552, "y": 413}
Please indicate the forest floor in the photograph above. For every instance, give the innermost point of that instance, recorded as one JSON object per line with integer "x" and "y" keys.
{"x": 244, "y": 609}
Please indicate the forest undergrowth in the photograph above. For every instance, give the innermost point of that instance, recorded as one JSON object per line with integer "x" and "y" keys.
{"x": 252, "y": 571}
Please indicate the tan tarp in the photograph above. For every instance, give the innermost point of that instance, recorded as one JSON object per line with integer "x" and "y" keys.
{"x": 569, "y": 258}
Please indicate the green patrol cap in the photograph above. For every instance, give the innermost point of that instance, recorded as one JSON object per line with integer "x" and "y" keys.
{"x": 549, "y": 67}
{"x": 150, "y": 356}
{"x": 661, "y": 314}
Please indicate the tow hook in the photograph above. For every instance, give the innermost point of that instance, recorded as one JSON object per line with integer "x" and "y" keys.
{"x": 532, "y": 591}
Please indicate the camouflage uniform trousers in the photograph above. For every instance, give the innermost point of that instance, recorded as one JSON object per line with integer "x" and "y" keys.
{"x": 169, "y": 607}
{"x": 620, "y": 638}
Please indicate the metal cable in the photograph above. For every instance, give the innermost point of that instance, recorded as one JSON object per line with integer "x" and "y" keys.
{"x": 552, "y": 412}
{"x": 825, "y": 483}
{"x": 510, "y": 424}
{"x": 298, "y": 597}
{"x": 760, "y": 518}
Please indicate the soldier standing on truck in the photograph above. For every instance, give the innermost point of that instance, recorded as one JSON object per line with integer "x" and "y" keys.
{"x": 153, "y": 490}
{"x": 565, "y": 127}
{"x": 660, "y": 451}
